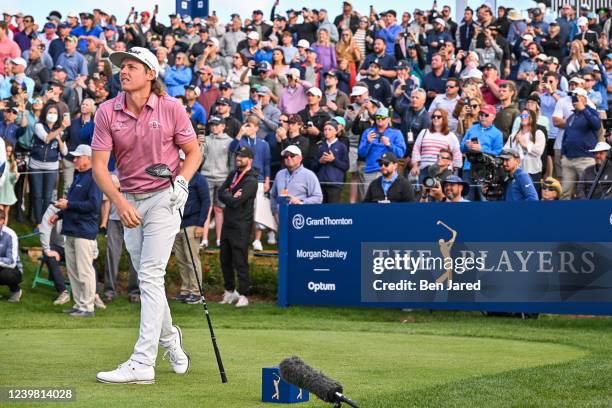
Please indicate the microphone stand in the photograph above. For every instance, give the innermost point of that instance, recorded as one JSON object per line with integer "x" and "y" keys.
{"x": 601, "y": 171}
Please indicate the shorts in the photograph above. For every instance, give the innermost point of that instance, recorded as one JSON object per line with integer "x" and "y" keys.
{"x": 213, "y": 190}
{"x": 353, "y": 160}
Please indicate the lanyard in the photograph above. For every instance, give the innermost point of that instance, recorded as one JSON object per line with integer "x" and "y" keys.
{"x": 237, "y": 179}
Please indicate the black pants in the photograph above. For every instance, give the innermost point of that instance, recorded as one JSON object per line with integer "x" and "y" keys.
{"x": 234, "y": 256}
{"x": 55, "y": 272}
{"x": 10, "y": 277}
{"x": 331, "y": 193}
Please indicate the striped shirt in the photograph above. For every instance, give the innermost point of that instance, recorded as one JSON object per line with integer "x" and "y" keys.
{"x": 428, "y": 145}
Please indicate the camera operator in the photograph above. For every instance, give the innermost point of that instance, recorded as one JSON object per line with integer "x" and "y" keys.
{"x": 436, "y": 173}
{"x": 390, "y": 187}
{"x": 455, "y": 189}
{"x": 603, "y": 191}
{"x": 520, "y": 186}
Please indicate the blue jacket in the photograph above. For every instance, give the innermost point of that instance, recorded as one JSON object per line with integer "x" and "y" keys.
{"x": 520, "y": 188}
{"x": 84, "y": 202}
{"x": 332, "y": 172}
{"x": 176, "y": 79}
{"x": 198, "y": 113}
{"x": 261, "y": 153}
{"x": 491, "y": 141}
{"x": 581, "y": 131}
{"x": 82, "y": 31}
{"x": 373, "y": 151}
{"x": 8, "y": 132}
{"x": 389, "y": 34}
{"x": 198, "y": 202}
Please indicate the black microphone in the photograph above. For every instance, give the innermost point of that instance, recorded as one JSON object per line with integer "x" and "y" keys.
{"x": 295, "y": 371}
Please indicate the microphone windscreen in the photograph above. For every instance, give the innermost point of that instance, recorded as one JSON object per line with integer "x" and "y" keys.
{"x": 295, "y": 371}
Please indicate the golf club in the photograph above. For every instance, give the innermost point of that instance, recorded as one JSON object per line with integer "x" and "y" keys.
{"x": 161, "y": 170}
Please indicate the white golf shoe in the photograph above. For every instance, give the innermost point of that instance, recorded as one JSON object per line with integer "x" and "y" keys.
{"x": 130, "y": 372}
{"x": 243, "y": 301}
{"x": 257, "y": 245}
{"x": 229, "y": 297}
{"x": 271, "y": 238}
{"x": 179, "y": 360}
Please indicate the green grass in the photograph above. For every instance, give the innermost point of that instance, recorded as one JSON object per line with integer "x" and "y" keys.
{"x": 384, "y": 358}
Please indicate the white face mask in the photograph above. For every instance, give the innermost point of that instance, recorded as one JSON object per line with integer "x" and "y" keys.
{"x": 51, "y": 117}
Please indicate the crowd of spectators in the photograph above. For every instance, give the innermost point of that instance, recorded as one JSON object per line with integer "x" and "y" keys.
{"x": 379, "y": 106}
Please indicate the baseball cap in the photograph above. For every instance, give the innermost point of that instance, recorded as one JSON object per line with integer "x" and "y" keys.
{"x": 489, "y": 109}
{"x": 580, "y": 92}
{"x": 216, "y": 120}
{"x": 303, "y": 44}
{"x": 375, "y": 61}
{"x": 264, "y": 66}
{"x": 223, "y": 101}
{"x": 293, "y": 149}
{"x": 19, "y": 61}
{"x": 510, "y": 152}
{"x": 315, "y": 91}
{"x": 600, "y": 147}
{"x": 253, "y": 35}
{"x": 63, "y": 25}
{"x": 225, "y": 85}
{"x": 59, "y": 68}
{"x": 489, "y": 65}
{"x": 542, "y": 57}
{"x": 194, "y": 89}
{"x": 294, "y": 72}
{"x": 331, "y": 123}
{"x": 403, "y": 64}
{"x": 609, "y": 56}
{"x": 49, "y": 25}
{"x": 359, "y": 90}
{"x": 110, "y": 27}
{"x": 528, "y": 37}
{"x": 138, "y": 53}
{"x": 87, "y": 16}
{"x": 72, "y": 14}
{"x": 213, "y": 41}
{"x": 387, "y": 157}
{"x": 258, "y": 12}
{"x": 534, "y": 97}
{"x": 82, "y": 150}
{"x": 245, "y": 152}
{"x": 440, "y": 21}
{"x": 205, "y": 69}
{"x": 332, "y": 73}
{"x": 263, "y": 90}
{"x": 12, "y": 106}
{"x": 382, "y": 112}
{"x": 340, "y": 120}
{"x": 582, "y": 21}
{"x": 577, "y": 80}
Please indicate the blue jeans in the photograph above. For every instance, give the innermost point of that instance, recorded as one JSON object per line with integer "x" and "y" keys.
{"x": 42, "y": 183}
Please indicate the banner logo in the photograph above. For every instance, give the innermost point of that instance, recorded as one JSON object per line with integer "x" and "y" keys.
{"x": 298, "y": 221}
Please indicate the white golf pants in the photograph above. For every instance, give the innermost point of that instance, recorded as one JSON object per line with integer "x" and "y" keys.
{"x": 150, "y": 245}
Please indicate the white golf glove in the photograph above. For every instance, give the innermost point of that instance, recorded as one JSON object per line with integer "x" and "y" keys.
{"x": 179, "y": 195}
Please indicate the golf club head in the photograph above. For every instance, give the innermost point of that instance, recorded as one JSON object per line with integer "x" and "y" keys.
{"x": 159, "y": 170}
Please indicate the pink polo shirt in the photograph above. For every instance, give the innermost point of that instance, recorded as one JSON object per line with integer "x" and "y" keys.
{"x": 138, "y": 142}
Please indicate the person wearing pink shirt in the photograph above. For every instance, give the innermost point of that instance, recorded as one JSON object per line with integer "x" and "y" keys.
{"x": 8, "y": 48}
{"x": 143, "y": 126}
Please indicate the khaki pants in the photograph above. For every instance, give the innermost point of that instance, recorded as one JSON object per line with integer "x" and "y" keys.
{"x": 571, "y": 170}
{"x": 189, "y": 286}
{"x": 80, "y": 253}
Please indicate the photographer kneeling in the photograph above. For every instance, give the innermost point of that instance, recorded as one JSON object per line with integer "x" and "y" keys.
{"x": 519, "y": 186}
{"x": 432, "y": 183}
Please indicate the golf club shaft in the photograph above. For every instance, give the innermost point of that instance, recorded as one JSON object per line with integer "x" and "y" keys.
{"x": 210, "y": 327}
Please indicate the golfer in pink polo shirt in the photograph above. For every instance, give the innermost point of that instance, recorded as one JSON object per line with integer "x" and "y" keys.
{"x": 143, "y": 126}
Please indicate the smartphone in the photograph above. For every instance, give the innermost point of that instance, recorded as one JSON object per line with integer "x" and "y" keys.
{"x": 156, "y": 8}
{"x": 214, "y": 12}
{"x": 474, "y": 140}
{"x": 66, "y": 115}
{"x": 310, "y": 124}
{"x": 132, "y": 9}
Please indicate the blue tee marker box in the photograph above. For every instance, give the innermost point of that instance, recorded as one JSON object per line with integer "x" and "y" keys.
{"x": 275, "y": 389}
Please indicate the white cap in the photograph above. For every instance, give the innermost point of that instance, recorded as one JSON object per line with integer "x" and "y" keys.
{"x": 138, "y": 53}
{"x": 600, "y": 147}
{"x": 528, "y": 37}
{"x": 440, "y": 21}
{"x": 580, "y": 91}
{"x": 213, "y": 40}
{"x": 253, "y": 35}
{"x": 582, "y": 21}
{"x": 82, "y": 150}
{"x": 19, "y": 61}
{"x": 303, "y": 43}
{"x": 473, "y": 73}
{"x": 294, "y": 72}
{"x": 315, "y": 91}
{"x": 577, "y": 80}
{"x": 359, "y": 90}
{"x": 293, "y": 149}
{"x": 72, "y": 14}
{"x": 542, "y": 57}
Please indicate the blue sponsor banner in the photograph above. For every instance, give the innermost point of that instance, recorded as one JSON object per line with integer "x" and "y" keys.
{"x": 547, "y": 257}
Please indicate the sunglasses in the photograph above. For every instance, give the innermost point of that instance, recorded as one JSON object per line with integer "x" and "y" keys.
{"x": 289, "y": 155}
{"x": 451, "y": 86}
{"x": 483, "y": 114}
{"x": 436, "y": 116}
{"x": 385, "y": 164}
{"x": 380, "y": 117}
{"x": 524, "y": 116}
{"x": 284, "y": 121}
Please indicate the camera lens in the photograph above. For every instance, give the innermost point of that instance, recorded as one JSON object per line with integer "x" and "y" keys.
{"x": 429, "y": 182}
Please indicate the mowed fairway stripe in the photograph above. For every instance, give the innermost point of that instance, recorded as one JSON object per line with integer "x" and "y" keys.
{"x": 371, "y": 366}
